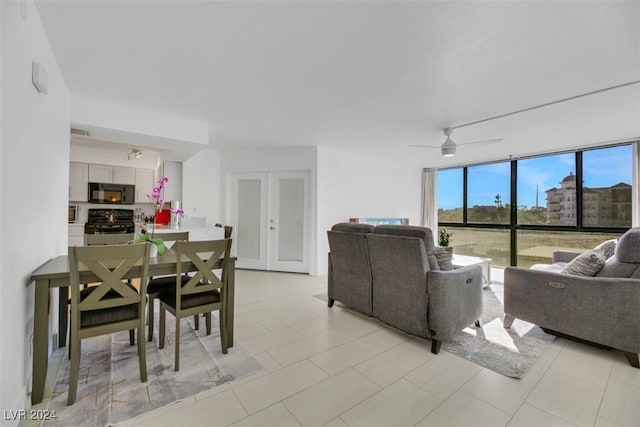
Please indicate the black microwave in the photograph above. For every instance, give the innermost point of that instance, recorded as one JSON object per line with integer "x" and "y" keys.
{"x": 119, "y": 194}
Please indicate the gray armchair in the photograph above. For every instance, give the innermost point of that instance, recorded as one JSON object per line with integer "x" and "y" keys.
{"x": 349, "y": 279}
{"x": 409, "y": 294}
{"x": 604, "y": 309}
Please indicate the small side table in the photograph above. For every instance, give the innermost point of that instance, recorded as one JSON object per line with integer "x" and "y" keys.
{"x": 485, "y": 263}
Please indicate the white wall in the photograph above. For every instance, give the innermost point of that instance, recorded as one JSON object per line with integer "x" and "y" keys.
{"x": 33, "y": 185}
{"x": 365, "y": 183}
{"x": 201, "y": 184}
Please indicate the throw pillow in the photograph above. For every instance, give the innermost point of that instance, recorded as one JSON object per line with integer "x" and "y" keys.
{"x": 444, "y": 255}
{"x": 607, "y": 248}
{"x": 585, "y": 264}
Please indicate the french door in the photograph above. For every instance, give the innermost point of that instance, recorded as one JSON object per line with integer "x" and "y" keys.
{"x": 270, "y": 214}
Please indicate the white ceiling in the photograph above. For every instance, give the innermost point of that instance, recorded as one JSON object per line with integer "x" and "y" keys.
{"x": 335, "y": 73}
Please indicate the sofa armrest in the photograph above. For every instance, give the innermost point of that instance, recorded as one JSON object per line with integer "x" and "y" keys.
{"x": 605, "y": 310}
{"x": 455, "y": 300}
{"x": 564, "y": 256}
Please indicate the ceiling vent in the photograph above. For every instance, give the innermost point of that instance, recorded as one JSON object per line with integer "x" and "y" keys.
{"x": 75, "y": 131}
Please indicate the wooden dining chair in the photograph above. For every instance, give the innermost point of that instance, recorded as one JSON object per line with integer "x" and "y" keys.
{"x": 111, "y": 306}
{"x": 203, "y": 293}
{"x": 159, "y": 284}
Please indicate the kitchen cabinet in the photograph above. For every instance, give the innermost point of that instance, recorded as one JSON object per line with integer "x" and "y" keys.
{"x": 78, "y": 180}
{"x": 100, "y": 173}
{"x": 123, "y": 175}
{"x": 144, "y": 184}
{"x": 111, "y": 174}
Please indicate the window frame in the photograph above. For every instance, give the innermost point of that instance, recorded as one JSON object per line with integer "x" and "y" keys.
{"x": 513, "y": 225}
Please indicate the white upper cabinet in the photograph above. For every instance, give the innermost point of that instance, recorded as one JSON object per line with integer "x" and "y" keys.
{"x": 112, "y": 174}
{"x": 144, "y": 184}
{"x": 78, "y": 180}
{"x": 123, "y": 175}
{"x": 100, "y": 173}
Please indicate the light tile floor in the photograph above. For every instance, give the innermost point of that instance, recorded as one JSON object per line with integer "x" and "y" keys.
{"x": 333, "y": 367}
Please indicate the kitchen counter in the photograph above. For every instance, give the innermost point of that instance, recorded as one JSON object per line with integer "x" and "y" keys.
{"x": 196, "y": 232}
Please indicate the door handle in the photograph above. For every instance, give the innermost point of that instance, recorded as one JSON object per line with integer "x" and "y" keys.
{"x": 272, "y": 228}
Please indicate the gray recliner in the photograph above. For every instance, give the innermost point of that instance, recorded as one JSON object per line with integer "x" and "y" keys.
{"x": 349, "y": 278}
{"x": 411, "y": 295}
{"x": 604, "y": 309}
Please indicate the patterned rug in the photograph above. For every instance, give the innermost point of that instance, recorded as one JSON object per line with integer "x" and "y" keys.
{"x": 510, "y": 352}
{"x": 109, "y": 387}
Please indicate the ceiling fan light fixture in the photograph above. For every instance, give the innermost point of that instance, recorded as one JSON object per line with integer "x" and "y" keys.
{"x": 448, "y": 148}
{"x": 135, "y": 154}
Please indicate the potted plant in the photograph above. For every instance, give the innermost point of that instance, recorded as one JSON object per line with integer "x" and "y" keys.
{"x": 155, "y": 197}
{"x": 443, "y": 237}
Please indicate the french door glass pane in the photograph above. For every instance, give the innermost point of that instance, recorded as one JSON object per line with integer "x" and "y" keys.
{"x": 450, "y": 195}
{"x": 547, "y": 190}
{"x": 290, "y": 219}
{"x": 488, "y": 193}
{"x": 606, "y": 194}
{"x": 248, "y": 235}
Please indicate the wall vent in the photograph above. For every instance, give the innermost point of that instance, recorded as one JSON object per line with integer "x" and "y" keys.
{"x": 75, "y": 131}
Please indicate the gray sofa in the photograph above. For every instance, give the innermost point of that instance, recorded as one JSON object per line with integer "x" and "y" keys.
{"x": 390, "y": 272}
{"x": 603, "y": 309}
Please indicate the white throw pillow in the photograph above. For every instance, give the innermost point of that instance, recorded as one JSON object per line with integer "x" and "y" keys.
{"x": 608, "y": 248}
{"x": 586, "y": 264}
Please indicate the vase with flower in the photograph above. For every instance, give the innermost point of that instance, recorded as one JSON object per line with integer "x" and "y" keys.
{"x": 158, "y": 248}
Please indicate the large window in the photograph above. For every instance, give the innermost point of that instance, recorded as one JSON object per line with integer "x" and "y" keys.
{"x": 570, "y": 201}
{"x": 450, "y": 196}
{"x": 489, "y": 193}
{"x": 547, "y": 190}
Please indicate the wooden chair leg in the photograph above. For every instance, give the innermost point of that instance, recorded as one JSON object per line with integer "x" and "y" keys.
{"x": 177, "y": 345}
{"x": 162, "y": 326}
{"x": 132, "y": 339}
{"x": 150, "y": 313}
{"x": 142, "y": 353}
{"x": 196, "y": 322}
{"x": 207, "y": 321}
{"x": 224, "y": 338}
{"x": 74, "y": 368}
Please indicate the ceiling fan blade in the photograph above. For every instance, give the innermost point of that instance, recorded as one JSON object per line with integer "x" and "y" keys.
{"x": 486, "y": 141}
{"x": 424, "y": 146}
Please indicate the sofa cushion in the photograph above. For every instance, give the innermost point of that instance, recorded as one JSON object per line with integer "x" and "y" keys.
{"x": 628, "y": 247}
{"x": 585, "y": 264}
{"x": 608, "y": 248}
{"x": 422, "y": 233}
{"x": 444, "y": 257}
{"x": 349, "y": 227}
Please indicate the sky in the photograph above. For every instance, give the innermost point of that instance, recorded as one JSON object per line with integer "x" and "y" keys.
{"x": 601, "y": 168}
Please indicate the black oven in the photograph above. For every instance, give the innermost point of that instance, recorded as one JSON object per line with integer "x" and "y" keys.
{"x": 111, "y": 193}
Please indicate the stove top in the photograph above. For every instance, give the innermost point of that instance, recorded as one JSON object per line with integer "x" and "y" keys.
{"x": 109, "y": 221}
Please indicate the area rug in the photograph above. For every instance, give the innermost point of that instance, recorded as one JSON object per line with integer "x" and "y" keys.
{"x": 109, "y": 387}
{"x": 510, "y": 352}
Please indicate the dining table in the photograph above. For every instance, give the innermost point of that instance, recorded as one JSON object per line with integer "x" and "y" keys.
{"x": 55, "y": 274}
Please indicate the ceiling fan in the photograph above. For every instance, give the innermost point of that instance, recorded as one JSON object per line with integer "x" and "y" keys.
{"x": 449, "y": 147}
